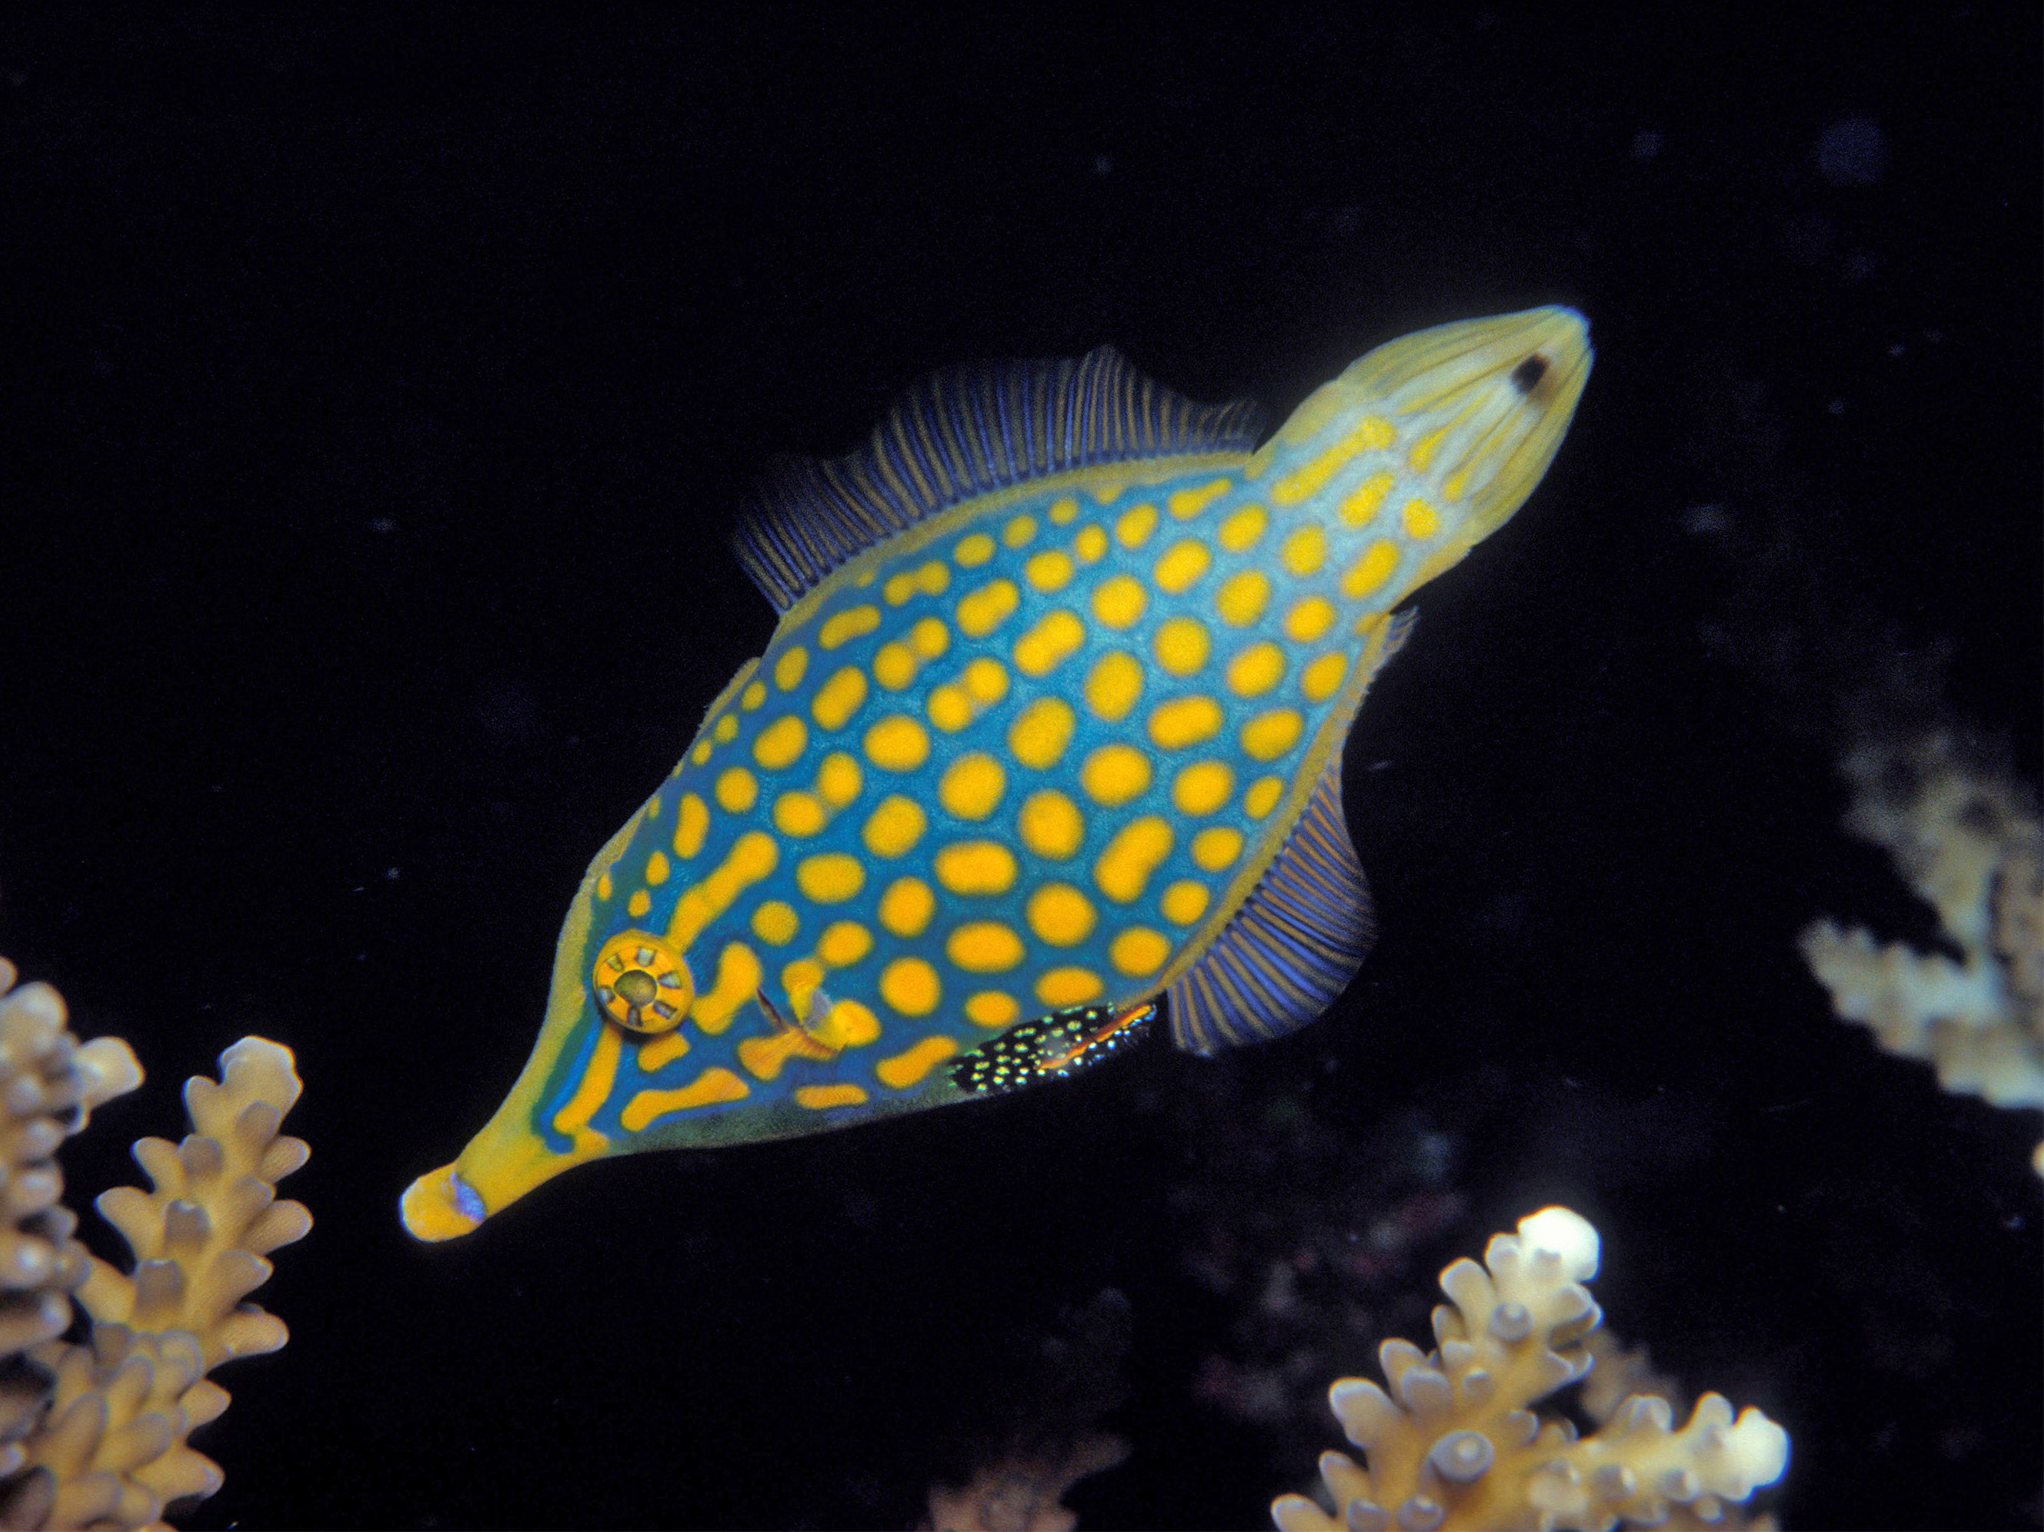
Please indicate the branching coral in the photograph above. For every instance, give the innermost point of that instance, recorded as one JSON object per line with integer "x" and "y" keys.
{"x": 1970, "y": 845}
{"x": 1454, "y": 1443}
{"x": 96, "y": 1431}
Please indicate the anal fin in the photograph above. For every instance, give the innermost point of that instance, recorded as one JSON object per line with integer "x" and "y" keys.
{"x": 1293, "y": 946}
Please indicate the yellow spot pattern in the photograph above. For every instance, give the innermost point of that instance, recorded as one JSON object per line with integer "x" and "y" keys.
{"x": 897, "y": 743}
{"x": 1188, "y": 503}
{"x": 932, "y": 579}
{"x": 985, "y": 609}
{"x": 1050, "y": 825}
{"x": 929, "y": 638}
{"x": 1181, "y": 566}
{"x": 659, "y": 1052}
{"x": 1019, "y": 531}
{"x": 1115, "y": 685}
{"x": 1063, "y": 510}
{"x": 972, "y": 785}
{"x": 1269, "y": 735}
{"x": 1114, "y": 774}
{"x": 1305, "y": 550}
{"x": 1184, "y": 902}
{"x": 752, "y": 856}
{"x": 838, "y": 698}
{"x": 838, "y": 779}
{"x": 1240, "y": 532}
{"x": 781, "y": 743}
{"x": 1119, "y": 601}
{"x": 1321, "y": 679}
{"x": 752, "y": 696}
{"x": 790, "y": 668}
{"x": 712, "y": 1087}
{"x": 990, "y": 1008}
{"x": 691, "y": 824}
{"x": 1371, "y": 434}
{"x": 737, "y": 790}
{"x": 975, "y": 867}
{"x": 1135, "y": 526}
{"x": 1051, "y": 571}
{"x": 973, "y": 551}
{"x": 1040, "y": 733}
{"x": 1049, "y": 644}
{"x": 726, "y": 730}
{"x": 1242, "y": 597}
{"x": 906, "y": 1069}
{"x": 1256, "y": 670}
{"x": 821, "y": 1097}
{"x": 1090, "y": 545}
{"x": 1262, "y": 796}
{"x": 894, "y": 826}
{"x": 1184, "y": 721}
{"x": 1360, "y": 504}
{"x": 830, "y": 877}
{"x": 1063, "y": 987}
{"x": 800, "y": 814}
{"x": 639, "y": 903}
{"x": 1310, "y": 618}
{"x": 603, "y": 886}
{"x": 910, "y": 986}
{"x": 983, "y": 946}
{"x": 1203, "y": 788}
{"x": 894, "y": 667}
{"x": 1139, "y": 951}
{"x": 906, "y": 907}
{"x": 1181, "y": 645}
{"x": 1060, "y": 914}
{"x": 658, "y": 868}
{"x": 1125, "y": 866}
{"x": 848, "y": 625}
{"x": 738, "y": 976}
{"x": 844, "y": 943}
{"x": 1369, "y": 572}
{"x": 776, "y": 923}
{"x": 1421, "y": 520}
{"x": 1216, "y": 847}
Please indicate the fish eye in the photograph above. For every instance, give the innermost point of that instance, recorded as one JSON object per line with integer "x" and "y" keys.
{"x": 642, "y": 983}
{"x": 1527, "y": 375}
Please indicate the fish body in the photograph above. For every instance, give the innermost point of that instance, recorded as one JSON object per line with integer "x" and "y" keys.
{"x": 1050, "y": 730}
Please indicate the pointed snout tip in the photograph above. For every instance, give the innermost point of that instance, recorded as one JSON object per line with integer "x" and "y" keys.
{"x": 440, "y": 1206}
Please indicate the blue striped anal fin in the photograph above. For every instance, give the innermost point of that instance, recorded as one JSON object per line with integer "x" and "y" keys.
{"x": 1294, "y": 945}
{"x": 963, "y": 432}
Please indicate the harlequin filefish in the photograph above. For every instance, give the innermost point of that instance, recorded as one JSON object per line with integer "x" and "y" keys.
{"x": 1049, "y": 736}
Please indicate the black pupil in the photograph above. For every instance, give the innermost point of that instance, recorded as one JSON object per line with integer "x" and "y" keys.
{"x": 1528, "y": 373}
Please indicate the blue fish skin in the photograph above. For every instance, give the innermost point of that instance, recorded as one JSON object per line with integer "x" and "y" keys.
{"x": 1029, "y": 756}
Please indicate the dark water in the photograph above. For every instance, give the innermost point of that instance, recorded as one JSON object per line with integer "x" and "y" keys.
{"x": 381, "y": 397}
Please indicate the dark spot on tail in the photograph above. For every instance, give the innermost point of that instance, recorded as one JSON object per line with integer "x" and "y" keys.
{"x": 1527, "y": 375}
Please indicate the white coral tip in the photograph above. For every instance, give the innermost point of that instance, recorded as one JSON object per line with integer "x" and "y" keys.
{"x": 1568, "y": 1235}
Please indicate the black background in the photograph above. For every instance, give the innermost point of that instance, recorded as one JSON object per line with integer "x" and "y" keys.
{"x": 380, "y": 395}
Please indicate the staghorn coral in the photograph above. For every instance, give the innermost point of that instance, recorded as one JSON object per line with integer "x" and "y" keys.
{"x": 1458, "y": 1445}
{"x": 95, "y": 1431}
{"x": 1050, "y": 1439}
{"x": 1968, "y": 842}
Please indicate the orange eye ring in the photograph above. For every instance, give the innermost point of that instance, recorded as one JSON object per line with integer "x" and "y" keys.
{"x": 642, "y": 983}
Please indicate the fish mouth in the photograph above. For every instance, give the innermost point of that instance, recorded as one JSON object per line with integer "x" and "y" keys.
{"x": 1493, "y": 398}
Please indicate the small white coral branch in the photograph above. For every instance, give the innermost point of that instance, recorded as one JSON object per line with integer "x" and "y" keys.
{"x": 1971, "y": 847}
{"x": 1454, "y": 1443}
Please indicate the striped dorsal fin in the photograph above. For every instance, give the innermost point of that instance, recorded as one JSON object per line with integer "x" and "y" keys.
{"x": 963, "y": 432}
{"x": 1293, "y": 946}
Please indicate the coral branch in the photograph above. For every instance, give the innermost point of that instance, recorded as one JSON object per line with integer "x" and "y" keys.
{"x": 1454, "y": 1441}
{"x": 1969, "y": 843}
{"x": 96, "y": 1432}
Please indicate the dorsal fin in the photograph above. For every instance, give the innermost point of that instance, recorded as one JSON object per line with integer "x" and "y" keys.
{"x": 962, "y": 432}
{"x": 1293, "y": 946}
